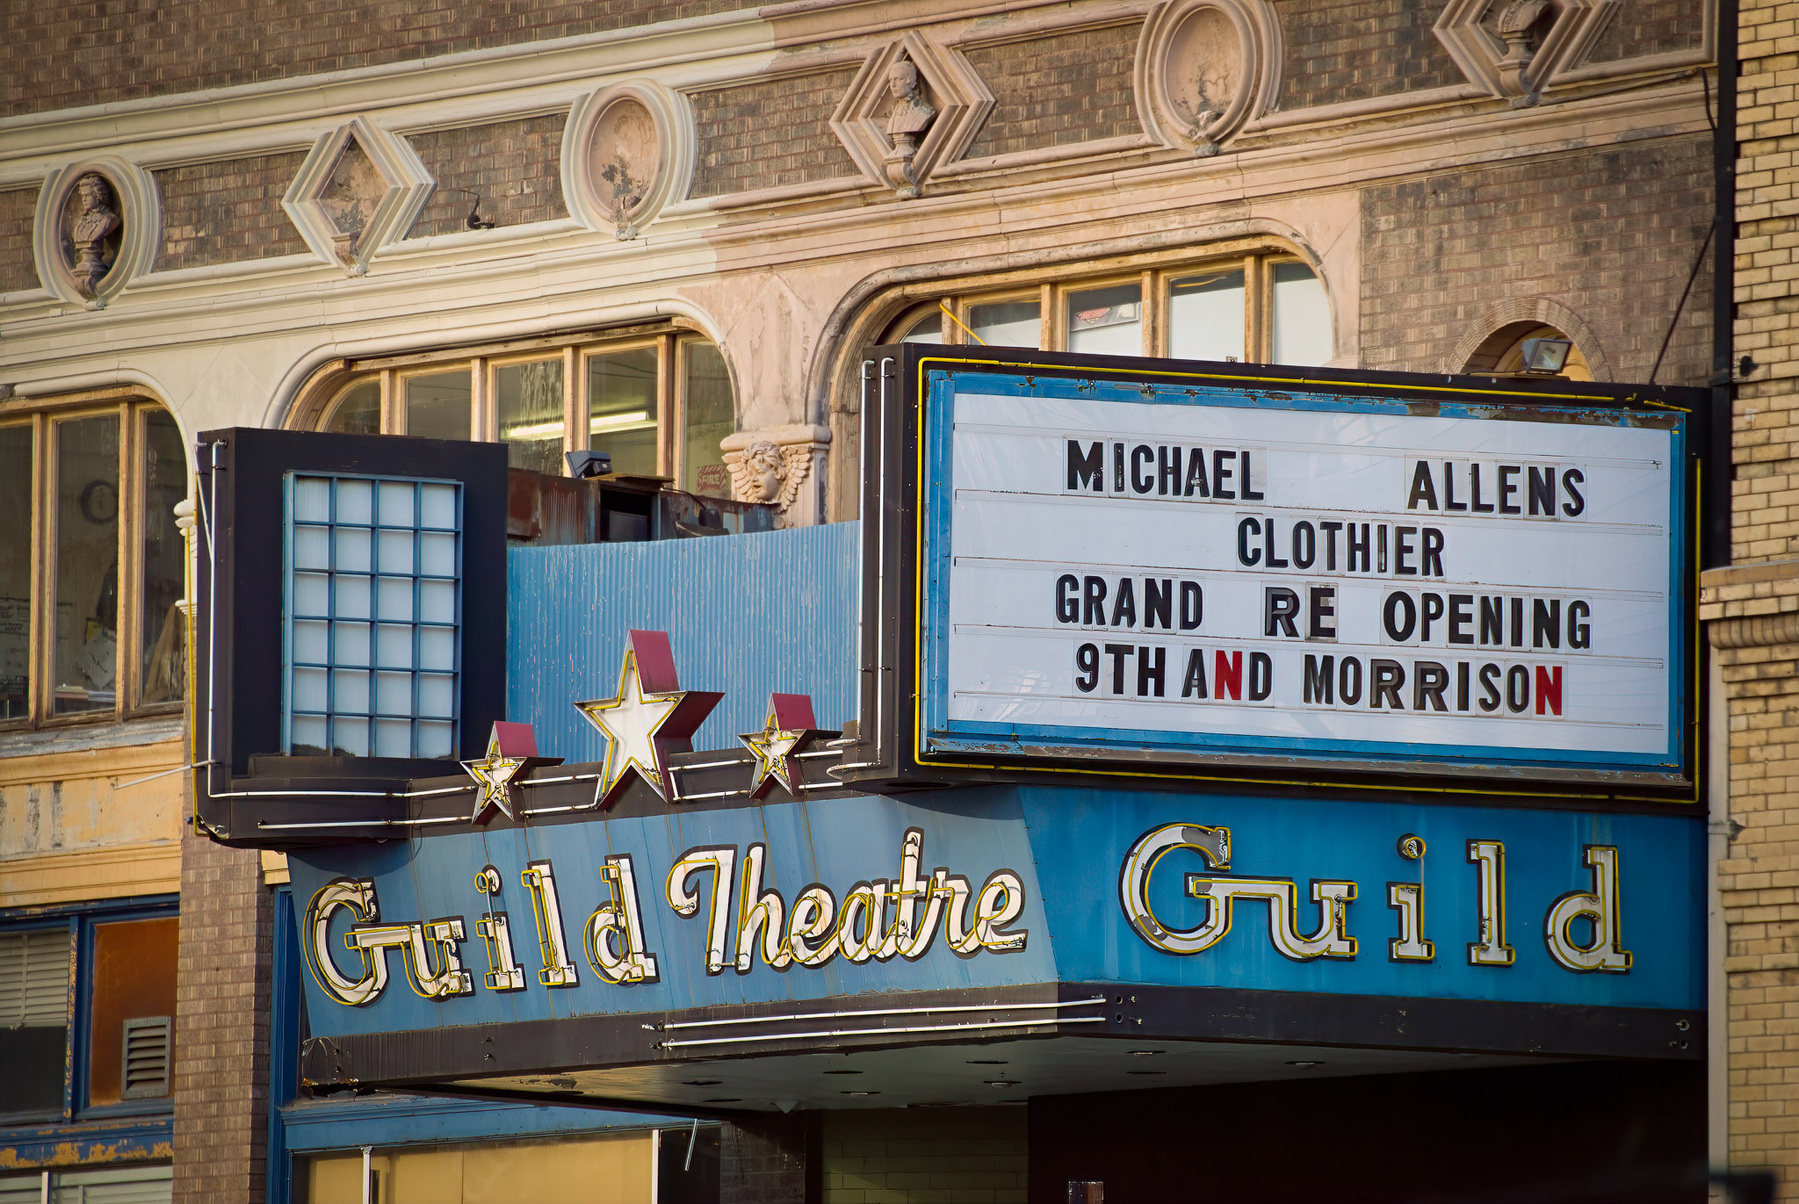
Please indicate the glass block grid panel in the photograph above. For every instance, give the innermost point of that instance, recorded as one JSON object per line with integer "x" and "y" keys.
{"x": 372, "y": 623}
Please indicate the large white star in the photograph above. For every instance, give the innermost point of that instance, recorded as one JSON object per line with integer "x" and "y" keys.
{"x": 630, "y": 723}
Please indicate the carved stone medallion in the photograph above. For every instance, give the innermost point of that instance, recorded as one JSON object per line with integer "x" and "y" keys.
{"x": 627, "y": 151}
{"x": 1204, "y": 67}
{"x": 97, "y": 226}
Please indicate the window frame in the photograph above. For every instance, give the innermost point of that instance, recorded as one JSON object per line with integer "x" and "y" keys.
{"x": 131, "y": 410}
{"x": 1154, "y": 274}
{"x": 79, "y": 921}
{"x": 332, "y": 387}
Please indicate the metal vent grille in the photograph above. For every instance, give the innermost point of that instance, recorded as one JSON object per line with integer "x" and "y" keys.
{"x": 146, "y": 1061}
{"x": 34, "y": 979}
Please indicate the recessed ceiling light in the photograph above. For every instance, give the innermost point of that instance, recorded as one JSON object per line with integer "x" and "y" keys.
{"x": 1305, "y": 1063}
{"x": 843, "y": 1072}
{"x": 728, "y": 1099}
{"x": 1146, "y": 1053}
{"x": 1001, "y": 1083}
{"x": 701, "y": 1082}
{"x": 988, "y": 1062}
{"x": 1146, "y": 1072}
{"x": 858, "y": 1093}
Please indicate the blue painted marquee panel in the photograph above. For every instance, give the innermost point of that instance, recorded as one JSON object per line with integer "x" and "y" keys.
{"x": 747, "y": 614}
{"x": 1067, "y": 846}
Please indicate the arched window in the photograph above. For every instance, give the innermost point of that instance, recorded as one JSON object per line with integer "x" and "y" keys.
{"x": 1502, "y": 352}
{"x": 88, "y": 487}
{"x": 1260, "y": 304}
{"x": 657, "y": 402}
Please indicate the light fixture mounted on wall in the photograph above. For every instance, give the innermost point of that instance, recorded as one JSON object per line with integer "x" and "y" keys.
{"x": 1546, "y": 357}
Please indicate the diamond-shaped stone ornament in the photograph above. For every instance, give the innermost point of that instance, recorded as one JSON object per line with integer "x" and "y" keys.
{"x": 360, "y": 188}
{"x": 900, "y": 125}
{"x": 1489, "y": 41}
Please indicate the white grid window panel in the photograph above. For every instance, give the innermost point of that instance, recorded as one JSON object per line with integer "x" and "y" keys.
{"x": 34, "y": 978}
{"x": 372, "y": 629}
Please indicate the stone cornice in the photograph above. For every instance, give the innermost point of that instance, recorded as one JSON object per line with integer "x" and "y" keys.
{"x": 1751, "y": 605}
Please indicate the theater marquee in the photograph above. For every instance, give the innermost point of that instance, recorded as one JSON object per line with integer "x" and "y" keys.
{"x": 1139, "y": 570}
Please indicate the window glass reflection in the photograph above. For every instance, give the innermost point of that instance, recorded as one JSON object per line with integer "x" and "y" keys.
{"x": 1007, "y": 323}
{"x": 1205, "y": 317}
{"x": 1302, "y": 317}
{"x": 358, "y": 411}
{"x": 621, "y": 398}
{"x": 707, "y": 389}
{"x": 1106, "y": 321}
{"x": 437, "y": 405}
{"x": 85, "y": 660}
{"x": 163, "y": 630}
{"x": 15, "y": 570}
{"x": 529, "y": 402}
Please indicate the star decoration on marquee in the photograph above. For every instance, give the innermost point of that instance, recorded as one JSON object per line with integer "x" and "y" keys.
{"x": 790, "y": 728}
{"x": 511, "y": 753}
{"x": 650, "y": 718}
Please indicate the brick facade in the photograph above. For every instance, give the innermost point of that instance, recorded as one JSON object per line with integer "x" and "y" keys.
{"x": 1073, "y": 87}
{"x": 964, "y": 1155}
{"x": 763, "y": 1160}
{"x": 221, "y": 1025}
{"x": 513, "y": 166}
{"x": 227, "y": 211}
{"x": 1752, "y": 614}
{"x": 770, "y": 133}
{"x": 1611, "y": 236}
{"x": 1658, "y": 27}
{"x": 1342, "y": 50}
{"x": 93, "y": 52}
{"x": 18, "y": 269}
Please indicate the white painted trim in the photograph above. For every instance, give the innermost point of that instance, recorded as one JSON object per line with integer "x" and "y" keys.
{"x": 1373, "y": 106}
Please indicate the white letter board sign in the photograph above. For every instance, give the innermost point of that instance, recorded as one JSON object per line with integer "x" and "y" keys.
{"x": 1138, "y": 570}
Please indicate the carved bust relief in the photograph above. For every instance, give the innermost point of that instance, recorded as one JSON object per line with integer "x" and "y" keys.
{"x": 913, "y": 107}
{"x": 93, "y": 232}
{"x": 907, "y": 122}
{"x": 1204, "y": 67}
{"x": 96, "y": 228}
{"x": 627, "y": 152}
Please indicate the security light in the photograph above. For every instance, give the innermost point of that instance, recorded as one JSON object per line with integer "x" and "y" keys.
{"x": 1546, "y": 356}
{"x": 589, "y": 463}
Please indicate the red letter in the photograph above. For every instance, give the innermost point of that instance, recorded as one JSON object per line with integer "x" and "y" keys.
{"x": 1549, "y": 689}
{"x": 1227, "y": 675}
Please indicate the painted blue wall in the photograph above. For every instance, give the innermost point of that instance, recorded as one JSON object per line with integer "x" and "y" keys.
{"x": 748, "y": 614}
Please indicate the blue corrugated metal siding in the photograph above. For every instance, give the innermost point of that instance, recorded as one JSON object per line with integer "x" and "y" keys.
{"x": 747, "y": 614}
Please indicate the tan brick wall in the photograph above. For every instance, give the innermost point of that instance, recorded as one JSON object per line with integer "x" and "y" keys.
{"x": 1340, "y": 50}
{"x": 221, "y": 1025}
{"x": 60, "y": 55}
{"x": 952, "y": 1156}
{"x": 1073, "y": 87}
{"x": 1753, "y": 612}
{"x": 514, "y": 166}
{"x": 18, "y": 269}
{"x": 1610, "y": 235}
{"x": 227, "y": 211}
{"x": 768, "y": 134}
